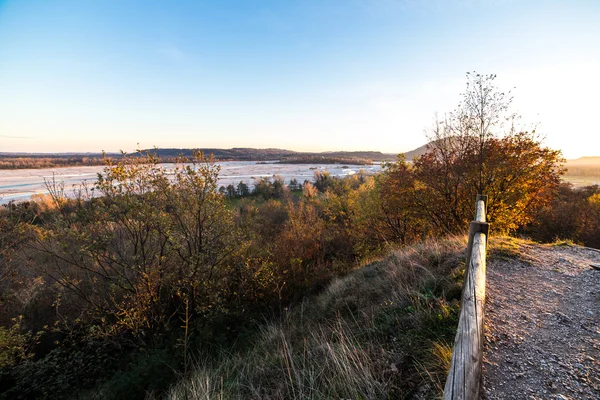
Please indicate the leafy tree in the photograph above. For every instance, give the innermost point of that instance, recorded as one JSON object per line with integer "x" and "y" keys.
{"x": 242, "y": 189}
{"x": 294, "y": 185}
{"x": 16, "y": 346}
{"x": 398, "y": 214}
{"x": 278, "y": 186}
{"x": 153, "y": 246}
{"x": 481, "y": 115}
{"x": 17, "y": 284}
{"x": 263, "y": 187}
{"x": 309, "y": 191}
{"x": 230, "y": 191}
{"x": 574, "y": 214}
{"x": 323, "y": 180}
{"x": 470, "y": 152}
{"x": 520, "y": 175}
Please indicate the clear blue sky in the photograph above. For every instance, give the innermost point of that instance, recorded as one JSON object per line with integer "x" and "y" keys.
{"x": 298, "y": 74}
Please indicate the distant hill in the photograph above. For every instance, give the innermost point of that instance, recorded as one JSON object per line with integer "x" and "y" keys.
{"x": 14, "y": 160}
{"x": 586, "y": 169}
{"x": 584, "y": 161}
{"x": 249, "y": 154}
{"x": 416, "y": 152}
{"x": 234, "y": 154}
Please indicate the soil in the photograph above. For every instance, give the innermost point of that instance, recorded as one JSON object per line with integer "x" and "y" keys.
{"x": 542, "y": 334}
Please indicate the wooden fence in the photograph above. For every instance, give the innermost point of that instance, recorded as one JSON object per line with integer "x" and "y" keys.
{"x": 464, "y": 378}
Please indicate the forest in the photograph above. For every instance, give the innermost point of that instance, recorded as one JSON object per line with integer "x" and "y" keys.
{"x": 148, "y": 276}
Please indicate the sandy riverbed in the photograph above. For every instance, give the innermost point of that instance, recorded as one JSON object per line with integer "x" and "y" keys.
{"x": 21, "y": 184}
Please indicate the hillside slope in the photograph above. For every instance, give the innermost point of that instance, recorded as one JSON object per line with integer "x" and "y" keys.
{"x": 386, "y": 331}
{"x": 383, "y": 331}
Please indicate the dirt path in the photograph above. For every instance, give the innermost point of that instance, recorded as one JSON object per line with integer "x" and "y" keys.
{"x": 542, "y": 323}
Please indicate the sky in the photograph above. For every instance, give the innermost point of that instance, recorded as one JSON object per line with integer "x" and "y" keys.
{"x": 306, "y": 75}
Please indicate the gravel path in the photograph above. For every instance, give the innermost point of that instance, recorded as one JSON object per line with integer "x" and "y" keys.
{"x": 542, "y": 324}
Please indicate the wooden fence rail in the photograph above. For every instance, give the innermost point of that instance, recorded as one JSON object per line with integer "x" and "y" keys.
{"x": 464, "y": 378}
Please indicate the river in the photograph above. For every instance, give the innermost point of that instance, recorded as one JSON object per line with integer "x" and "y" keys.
{"x": 21, "y": 184}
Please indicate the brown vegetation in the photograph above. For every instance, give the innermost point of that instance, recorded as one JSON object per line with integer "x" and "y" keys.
{"x": 144, "y": 251}
{"x": 112, "y": 293}
{"x": 381, "y": 332}
{"x": 573, "y": 214}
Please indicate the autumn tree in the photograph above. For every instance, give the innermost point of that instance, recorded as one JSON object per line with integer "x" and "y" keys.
{"x": 574, "y": 214}
{"x": 263, "y": 188}
{"x": 154, "y": 245}
{"x": 279, "y": 187}
{"x": 477, "y": 149}
{"x": 323, "y": 180}
{"x": 399, "y": 213}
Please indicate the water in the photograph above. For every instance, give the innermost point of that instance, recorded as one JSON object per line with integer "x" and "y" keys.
{"x": 22, "y": 184}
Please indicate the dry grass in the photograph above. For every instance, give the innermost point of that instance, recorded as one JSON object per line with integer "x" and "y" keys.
{"x": 509, "y": 248}
{"x": 381, "y": 332}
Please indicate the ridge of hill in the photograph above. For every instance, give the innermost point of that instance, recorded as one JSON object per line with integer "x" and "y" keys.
{"x": 419, "y": 151}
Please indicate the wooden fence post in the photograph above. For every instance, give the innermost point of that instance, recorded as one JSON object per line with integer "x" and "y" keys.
{"x": 464, "y": 377}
